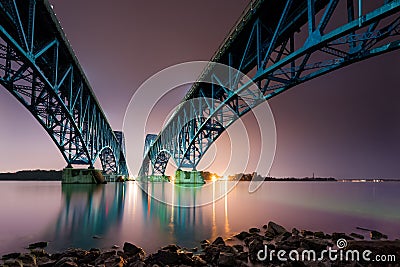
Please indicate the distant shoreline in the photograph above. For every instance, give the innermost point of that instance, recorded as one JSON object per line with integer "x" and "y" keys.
{"x": 54, "y": 175}
{"x": 32, "y": 175}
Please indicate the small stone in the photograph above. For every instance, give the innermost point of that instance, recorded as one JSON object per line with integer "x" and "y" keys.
{"x": 115, "y": 247}
{"x": 219, "y": 241}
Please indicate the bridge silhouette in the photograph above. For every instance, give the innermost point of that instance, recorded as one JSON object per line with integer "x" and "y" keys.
{"x": 277, "y": 44}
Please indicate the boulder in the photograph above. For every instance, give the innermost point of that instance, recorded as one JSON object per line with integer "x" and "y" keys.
{"x": 306, "y": 233}
{"x": 218, "y": 241}
{"x": 242, "y": 235}
{"x": 172, "y": 247}
{"x": 42, "y": 244}
{"x": 131, "y": 250}
{"x": 11, "y": 256}
{"x": 274, "y": 230}
{"x": 254, "y": 230}
{"x": 295, "y": 232}
{"x": 375, "y": 235}
{"x": 254, "y": 247}
{"x": 319, "y": 234}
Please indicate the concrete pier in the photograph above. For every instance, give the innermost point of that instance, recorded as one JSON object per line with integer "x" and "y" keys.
{"x": 189, "y": 177}
{"x": 82, "y": 176}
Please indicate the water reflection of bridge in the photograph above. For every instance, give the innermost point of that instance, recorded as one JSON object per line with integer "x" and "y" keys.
{"x": 89, "y": 212}
{"x": 116, "y": 213}
{"x": 187, "y": 225}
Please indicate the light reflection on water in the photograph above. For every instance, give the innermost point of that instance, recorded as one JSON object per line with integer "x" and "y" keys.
{"x": 103, "y": 215}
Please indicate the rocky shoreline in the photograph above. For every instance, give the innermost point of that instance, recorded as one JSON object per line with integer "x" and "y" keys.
{"x": 271, "y": 245}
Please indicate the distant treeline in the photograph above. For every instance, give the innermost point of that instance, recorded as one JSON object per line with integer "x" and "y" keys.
{"x": 256, "y": 177}
{"x": 32, "y": 175}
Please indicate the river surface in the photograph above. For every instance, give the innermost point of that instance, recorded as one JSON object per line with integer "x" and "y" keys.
{"x": 89, "y": 216}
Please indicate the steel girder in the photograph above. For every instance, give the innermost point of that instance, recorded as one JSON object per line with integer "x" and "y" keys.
{"x": 39, "y": 68}
{"x": 278, "y": 44}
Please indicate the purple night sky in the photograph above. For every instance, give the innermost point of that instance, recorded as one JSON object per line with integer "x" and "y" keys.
{"x": 345, "y": 124}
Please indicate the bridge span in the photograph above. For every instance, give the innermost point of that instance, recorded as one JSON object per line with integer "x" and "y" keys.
{"x": 278, "y": 44}
{"x": 40, "y": 69}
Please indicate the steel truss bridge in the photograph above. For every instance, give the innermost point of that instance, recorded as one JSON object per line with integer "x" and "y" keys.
{"x": 40, "y": 69}
{"x": 278, "y": 44}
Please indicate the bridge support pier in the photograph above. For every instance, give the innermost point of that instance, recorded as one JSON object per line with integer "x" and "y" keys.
{"x": 82, "y": 176}
{"x": 189, "y": 177}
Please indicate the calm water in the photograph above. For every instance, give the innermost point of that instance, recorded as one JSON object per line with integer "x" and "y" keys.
{"x": 70, "y": 215}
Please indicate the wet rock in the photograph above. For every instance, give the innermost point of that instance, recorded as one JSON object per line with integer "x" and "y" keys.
{"x": 238, "y": 248}
{"x": 336, "y": 236}
{"x": 283, "y": 237}
{"x": 243, "y": 256}
{"x": 295, "y": 232}
{"x": 105, "y": 256}
{"x": 315, "y": 244}
{"x": 66, "y": 262}
{"x": 163, "y": 257}
{"x": 254, "y": 247}
{"x": 195, "y": 249}
{"x": 115, "y": 261}
{"x": 375, "y": 235}
{"x": 204, "y": 243}
{"x": 198, "y": 261}
{"x": 115, "y": 247}
{"x": 11, "y": 256}
{"x": 254, "y": 230}
{"x": 319, "y": 234}
{"x": 40, "y": 253}
{"x": 242, "y": 235}
{"x": 42, "y": 244}
{"x": 171, "y": 247}
{"x": 249, "y": 239}
{"x": 12, "y": 263}
{"x": 211, "y": 254}
{"x": 133, "y": 251}
{"x": 226, "y": 259}
{"x": 265, "y": 226}
{"x": 90, "y": 257}
{"x": 218, "y": 241}
{"x": 306, "y": 233}
{"x": 27, "y": 259}
{"x": 47, "y": 263}
{"x": 358, "y": 236}
{"x": 274, "y": 230}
